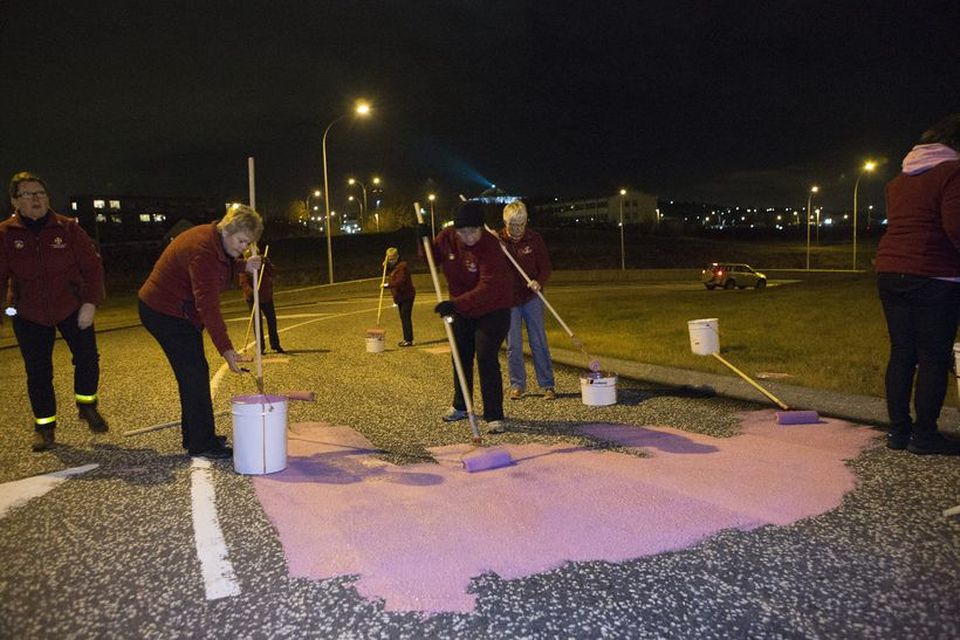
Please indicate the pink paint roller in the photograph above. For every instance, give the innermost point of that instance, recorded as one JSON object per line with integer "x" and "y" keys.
{"x": 479, "y": 459}
{"x": 783, "y": 417}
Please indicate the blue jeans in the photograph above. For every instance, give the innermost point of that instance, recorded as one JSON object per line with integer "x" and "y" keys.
{"x": 921, "y": 316}
{"x": 530, "y": 312}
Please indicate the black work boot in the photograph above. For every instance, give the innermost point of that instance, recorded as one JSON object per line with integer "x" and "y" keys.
{"x": 43, "y": 437}
{"x": 933, "y": 443}
{"x": 88, "y": 411}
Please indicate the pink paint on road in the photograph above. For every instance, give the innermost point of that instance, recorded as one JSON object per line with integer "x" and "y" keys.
{"x": 415, "y": 535}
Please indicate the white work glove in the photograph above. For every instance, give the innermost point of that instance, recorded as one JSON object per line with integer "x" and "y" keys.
{"x": 85, "y": 315}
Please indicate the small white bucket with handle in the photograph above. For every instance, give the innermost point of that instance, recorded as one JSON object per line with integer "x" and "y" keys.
{"x": 259, "y": 434}
{"x": 598, "y": 389}
{"x": 704, "y": 336}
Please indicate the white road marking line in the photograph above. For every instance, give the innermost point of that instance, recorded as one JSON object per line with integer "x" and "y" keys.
{"x": 19, "y": 492}
{"x": 219, "y": 580}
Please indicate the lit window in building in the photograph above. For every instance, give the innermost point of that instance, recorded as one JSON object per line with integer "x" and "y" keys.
{"x": 73, "y": 205}
{"x": 144, "y": 217}
{"x": 101, "y": 217}
{"x": 114, "y": 204}
{"x": 99, "y": 204}
{"x": 159, "y": 217}
{"x": 115, "y": 219}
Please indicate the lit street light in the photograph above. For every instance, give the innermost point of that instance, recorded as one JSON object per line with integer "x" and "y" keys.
{"x": 361, "y": 109}
{"x": 867, "y": 167}
{"x": 306, "y": 203}
{"x": 623, "y": 260}
{"x": 433, "y": 229}
{"x": 813, "y": 190}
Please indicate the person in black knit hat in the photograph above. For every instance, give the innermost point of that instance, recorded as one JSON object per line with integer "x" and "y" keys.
{"x": 481, "y": 295}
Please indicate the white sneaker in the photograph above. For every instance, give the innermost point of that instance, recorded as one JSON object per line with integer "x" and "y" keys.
{"x": 496, "y": 426}
{"x": 453, "y": 414}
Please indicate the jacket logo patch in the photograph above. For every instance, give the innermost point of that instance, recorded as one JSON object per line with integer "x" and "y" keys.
{"x": 58, "y": 243}
{"x": 525, "y": 251}
{"x": 471, "y": 266}
{"x": 18, "y": 244}
{"x": 451, "y": 257}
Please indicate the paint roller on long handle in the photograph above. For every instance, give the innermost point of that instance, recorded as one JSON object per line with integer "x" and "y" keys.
{"x": 457, "y": 363}
{"x": 246, "y": 335}
{"x": 787, "y": 416}
{"x": 383, "y": 281}
{"x": 594, "y": 363}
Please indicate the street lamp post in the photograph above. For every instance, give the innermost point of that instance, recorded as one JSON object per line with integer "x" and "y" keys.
{"x": 813, "y": 190}
{"x": 361, "y": 109}
{"x": 433, "y": 229}
{"x": 867, "y": 167}
{"x": 623, "y": 260}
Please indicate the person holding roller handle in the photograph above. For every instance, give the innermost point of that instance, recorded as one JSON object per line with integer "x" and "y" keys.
{"x": 481, "y": 295}
{"x": 55, "y": 278}
{"x": 181, "y": 297}
{"x": 401, "y": 287}
{"x": 528, "y": 249}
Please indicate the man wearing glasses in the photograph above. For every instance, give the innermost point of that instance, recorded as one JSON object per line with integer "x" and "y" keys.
{"x": 56, "y": 280}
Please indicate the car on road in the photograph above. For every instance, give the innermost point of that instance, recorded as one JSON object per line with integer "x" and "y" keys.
{"x": 728, "y": 275}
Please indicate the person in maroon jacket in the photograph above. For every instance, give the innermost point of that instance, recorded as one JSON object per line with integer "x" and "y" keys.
{"x": 181, "y": 297}
{"x": 918, "y": 278}
{"x": 527, "y": 248}
{"x": 56, "y": 282}
{"x": 266, "y": 301}
{"x": 403, "y": 292}
{"x": 481, "y": 294}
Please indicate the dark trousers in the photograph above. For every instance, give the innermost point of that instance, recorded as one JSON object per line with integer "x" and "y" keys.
{"x": 921, "y": 316}
{"x": 481, "y": 338}
{"x": 267, "y": 310}
{"x": 36, "y": 347}
{"x": 406, "y": 318}
{"x": 182, "y": 343}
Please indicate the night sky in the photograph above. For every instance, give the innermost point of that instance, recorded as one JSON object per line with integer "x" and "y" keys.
{"x": 741, "y": 103}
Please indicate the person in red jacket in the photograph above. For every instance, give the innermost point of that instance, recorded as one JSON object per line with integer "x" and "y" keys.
{"x": 403, "y": 292}
{"x": 56, "y": 282}
{"x": 528, "y": 249}
{"x": 481, "y": 294}
{"x": 266, "y": 302}
{"x": 181, "y": 297}
{"x": 918, "y": 279}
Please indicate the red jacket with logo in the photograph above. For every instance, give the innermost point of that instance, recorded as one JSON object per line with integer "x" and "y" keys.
{"x": 52, "y": 272}
{"x": 530, "y": 252}
{"x": 400, "y": 283}
{"x": 188, "y": 278}
{"x": 478, "y": 277}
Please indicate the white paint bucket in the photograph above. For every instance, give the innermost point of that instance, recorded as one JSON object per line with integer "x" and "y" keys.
{"x": 259, "y": 434}
{"x": 704, "y": 336}
{"x": 376, "y": 340}
{"x": 598, "y": 390}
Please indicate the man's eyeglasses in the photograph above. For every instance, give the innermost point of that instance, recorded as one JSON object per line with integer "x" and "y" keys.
{"x": 32, "y": 194}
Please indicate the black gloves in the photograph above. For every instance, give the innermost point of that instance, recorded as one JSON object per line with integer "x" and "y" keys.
{"x": 445, "y": 308}
{"x": 423, "y": 230}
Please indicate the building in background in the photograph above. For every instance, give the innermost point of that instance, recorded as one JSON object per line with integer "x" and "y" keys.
{"x": 133, "y": 219}
{"x": 638, "y": 208}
